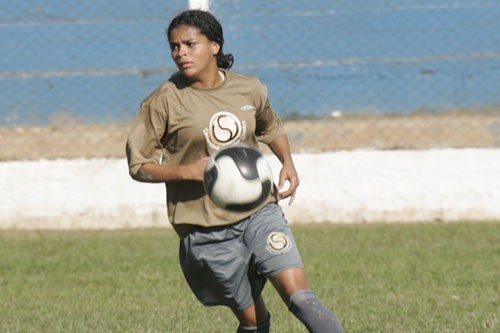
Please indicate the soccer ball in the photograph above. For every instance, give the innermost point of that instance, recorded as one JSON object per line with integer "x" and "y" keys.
{"x": 238, "y": 178}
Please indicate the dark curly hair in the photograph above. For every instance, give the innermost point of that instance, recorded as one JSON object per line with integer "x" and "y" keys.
{"x": 208, "y": 26}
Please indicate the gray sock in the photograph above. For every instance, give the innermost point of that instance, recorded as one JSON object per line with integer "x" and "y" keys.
{"x": 307, "y": 307}
{"x": 262, "y": 328}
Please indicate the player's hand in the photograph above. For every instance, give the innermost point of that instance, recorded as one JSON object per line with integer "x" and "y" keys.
{"x": 288, "y": 175}
{"x": 196, "y": 170}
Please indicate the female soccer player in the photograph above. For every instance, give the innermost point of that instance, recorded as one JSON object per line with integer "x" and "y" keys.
{"x": 226, "y": 257}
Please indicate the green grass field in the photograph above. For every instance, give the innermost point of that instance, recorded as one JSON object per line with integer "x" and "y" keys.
{"x": 376, "y": 278}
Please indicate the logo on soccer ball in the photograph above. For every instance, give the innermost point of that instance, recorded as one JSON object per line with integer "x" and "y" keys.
{"x": 224, "y": 129}
{"x": 278, "y": 243}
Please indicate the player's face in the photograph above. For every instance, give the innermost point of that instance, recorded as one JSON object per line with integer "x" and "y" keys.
{"x": 193, "y": 53}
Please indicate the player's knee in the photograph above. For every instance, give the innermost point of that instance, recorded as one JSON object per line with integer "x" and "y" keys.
{"x": 307, "y": 307}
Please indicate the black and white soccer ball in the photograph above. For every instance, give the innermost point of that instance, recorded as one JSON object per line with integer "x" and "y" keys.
{"x": 238, "y": 178}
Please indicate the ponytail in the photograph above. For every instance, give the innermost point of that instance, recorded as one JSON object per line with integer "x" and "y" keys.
{"x": 225, "y": 60}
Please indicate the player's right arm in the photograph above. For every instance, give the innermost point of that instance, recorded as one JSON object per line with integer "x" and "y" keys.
{"x": 151, "y": 172}
{"x": 145, "y": 149}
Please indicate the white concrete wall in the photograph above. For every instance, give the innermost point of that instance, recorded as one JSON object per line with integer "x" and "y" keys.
{"x": 338, "y": 187}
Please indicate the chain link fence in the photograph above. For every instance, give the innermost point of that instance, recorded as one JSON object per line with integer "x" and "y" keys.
{"x": 342, "y": 74}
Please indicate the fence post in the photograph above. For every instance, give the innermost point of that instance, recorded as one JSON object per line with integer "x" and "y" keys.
{"x": 199, "y": 4}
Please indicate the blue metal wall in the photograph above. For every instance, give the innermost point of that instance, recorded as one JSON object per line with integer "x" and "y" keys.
{"x": 95, "y": 61}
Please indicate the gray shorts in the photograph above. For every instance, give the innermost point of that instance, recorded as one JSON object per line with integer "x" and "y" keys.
{"x": 229, "y": 265}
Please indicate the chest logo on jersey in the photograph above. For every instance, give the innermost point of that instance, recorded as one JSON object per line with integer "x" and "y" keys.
{"x": 224, "y": 129}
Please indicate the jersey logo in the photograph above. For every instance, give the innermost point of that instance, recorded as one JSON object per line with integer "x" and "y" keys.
{"x": 248, "y": 107}
{"x": 278, "y": 243}
{"x": 224, "y": 129}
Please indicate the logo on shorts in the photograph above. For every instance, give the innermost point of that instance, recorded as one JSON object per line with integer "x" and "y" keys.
{"x": 278, "y": 243}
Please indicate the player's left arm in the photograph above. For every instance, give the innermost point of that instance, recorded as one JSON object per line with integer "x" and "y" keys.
{"x": 281, "y": 148}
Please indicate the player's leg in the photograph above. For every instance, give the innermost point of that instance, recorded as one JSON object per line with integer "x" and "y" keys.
{"x": 278, "y": 259}
{"x": 220, "y": 271}
{"x": 292, "y": 286}
{"x": 254, "y": 319}
{"x": 289, "y": 281}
